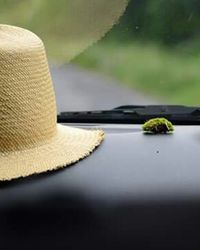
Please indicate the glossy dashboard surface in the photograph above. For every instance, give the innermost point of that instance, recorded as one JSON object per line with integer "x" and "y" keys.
{"x": 135, "y": 190}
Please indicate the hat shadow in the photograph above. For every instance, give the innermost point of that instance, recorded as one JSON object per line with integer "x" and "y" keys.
{"x": 33, "y": 178}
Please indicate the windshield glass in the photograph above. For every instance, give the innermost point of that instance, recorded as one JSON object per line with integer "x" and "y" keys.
{"x": 104, "y": 54}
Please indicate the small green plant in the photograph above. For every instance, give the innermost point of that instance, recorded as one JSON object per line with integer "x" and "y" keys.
{"x": 158, "y": 126}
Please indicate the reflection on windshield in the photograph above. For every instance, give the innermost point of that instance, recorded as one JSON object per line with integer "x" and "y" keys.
{"x": 151, "y": 56}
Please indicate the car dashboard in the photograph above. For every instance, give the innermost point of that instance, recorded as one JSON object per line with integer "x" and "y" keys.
{"x": 135, "y": 191}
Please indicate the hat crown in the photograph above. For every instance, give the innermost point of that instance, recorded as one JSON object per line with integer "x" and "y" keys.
{"x": 27, "y": 99}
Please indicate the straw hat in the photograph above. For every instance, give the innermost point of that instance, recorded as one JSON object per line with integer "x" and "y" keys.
{"x": 30, "y": 139}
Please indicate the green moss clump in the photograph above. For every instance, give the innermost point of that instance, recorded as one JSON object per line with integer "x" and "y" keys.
{"x": 158, "y": 126}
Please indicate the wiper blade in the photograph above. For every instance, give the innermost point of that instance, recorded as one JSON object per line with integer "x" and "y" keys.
{"x": 177, "y": 114}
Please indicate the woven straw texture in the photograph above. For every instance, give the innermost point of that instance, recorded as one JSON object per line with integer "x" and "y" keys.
{"x": 30, "y": 139}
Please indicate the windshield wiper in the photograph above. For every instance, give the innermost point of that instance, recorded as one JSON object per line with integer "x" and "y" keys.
{"x": 178, "y": 115}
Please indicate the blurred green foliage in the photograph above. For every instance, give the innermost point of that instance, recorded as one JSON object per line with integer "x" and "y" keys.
{"x": 154, "y": 48}
{"x": 168, "y": 74}
{"x": 169, "y": 22}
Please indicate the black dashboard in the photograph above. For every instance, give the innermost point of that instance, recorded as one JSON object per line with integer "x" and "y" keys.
{"x": 135, "y": 191}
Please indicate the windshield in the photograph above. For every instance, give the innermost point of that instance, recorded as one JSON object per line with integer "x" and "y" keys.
{"x": 104, "y": 54}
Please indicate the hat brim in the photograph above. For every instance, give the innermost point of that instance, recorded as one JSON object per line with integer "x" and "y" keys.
{"x": 68, "y": 146}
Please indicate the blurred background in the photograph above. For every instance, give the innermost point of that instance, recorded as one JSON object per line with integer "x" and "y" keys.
{"x": 152, "y": 54}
